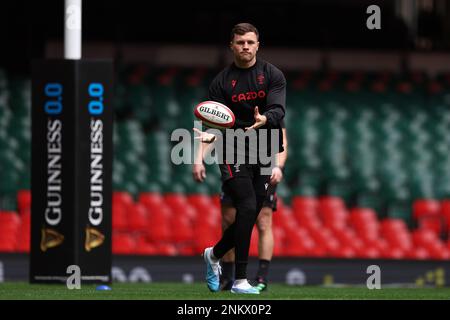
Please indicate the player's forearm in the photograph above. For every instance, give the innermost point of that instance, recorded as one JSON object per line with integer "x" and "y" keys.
{"x": 206, "y": 148}
{"x": 201, "y": 152}
{"x": 274, "y": 115}
{"x": 282, "y": 156}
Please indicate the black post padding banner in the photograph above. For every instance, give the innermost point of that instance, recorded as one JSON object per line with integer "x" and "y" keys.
{"x": 71, "y": 180}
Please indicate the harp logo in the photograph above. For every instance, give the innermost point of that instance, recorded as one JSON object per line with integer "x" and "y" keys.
{"x": 94, "y": 239}
{"x": 50, "y": 238}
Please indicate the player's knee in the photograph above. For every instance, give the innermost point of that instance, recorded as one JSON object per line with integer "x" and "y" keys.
{"x": 264, "y": 222}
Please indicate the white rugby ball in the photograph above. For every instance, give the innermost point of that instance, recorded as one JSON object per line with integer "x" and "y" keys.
{"x": 214, "y": 114}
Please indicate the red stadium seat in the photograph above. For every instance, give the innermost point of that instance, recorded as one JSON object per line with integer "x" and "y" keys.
{"x": 9, "y": 219}
{"x": 159, "y": 232}
{"x": 396, "y": 233}
{"x": 9, "y": 227}
{"x": 329, "y": 204}
{"x": 150, "y": 199}
{"x": 208, "y": 219}
{"x": 123, "y": 198}
{"x": 23, "y": 200}
{"x": 200, "y": 201}
{"x": 23, "y": 244}
{"x": 394, "y": 225}
{"x": 365, "y": 223}
{"x": 204, "y": 239}
{"x": 297, "y": 242}
{"x": 445, "y": 211}
{"x": 393, "y": 253}
{"x": 424, "y": 237}
{"x": 284, "y": 219}
{"x": 144, "y": 247}
{"x": 368, "y": 242}
{"x": 179, "y": 204}
{"x": 186, "y": 250}
{"x": 438, "y": 251}
{"x": 347, "y": 237}
{"x": 175, "y": 200}
{"x": 427, "y": 214}
{"x": 369, "y": 232}
{"x": 333, "y": 246}
{"x": 363, "y": 216}
{"x": 401, "y": 240}
{"x": 24, "y": 232}
{"x": 203, "y": 205}
{"x": 418, "y": 253}
{"x": 123, "y": 243}
{"x": 317, "y": 251}
{"x": 181, "y": 229}
{"x": 368, "y": 252}
{"x": 159, "y": 229}
{"x": 166, "y": 249}
{"x": 7, "y": 245}
{"x": 428, "y": 240}
{"x": 25, "y": 220}
{"x": 191, "y": 213}
{"x": 305, "y": 212}
{"x": 336, "y": 219}
{"x": 119, "y": 219}
{"x": 425, "y": 207}
{"x": 344, "y": 252}
{"x": 137, "y": 218}
{"x": 9, "y": 230}
{"x": 301, "y": 203}
{"x": 159, "y": 213}
{"x": 325, "y": 239}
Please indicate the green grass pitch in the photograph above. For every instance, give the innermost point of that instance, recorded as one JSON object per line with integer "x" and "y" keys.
{"x": 198, "y": 291}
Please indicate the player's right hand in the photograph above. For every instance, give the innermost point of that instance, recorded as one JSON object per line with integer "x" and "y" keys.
{"x": 199, "y": 172}
{"x": 260, "y": 120}
{"x": 276, "y": 176}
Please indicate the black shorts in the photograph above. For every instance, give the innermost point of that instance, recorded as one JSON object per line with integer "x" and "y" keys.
{"x": 229, "y": 171}
{"x": 263, "y": 186}
{"x": 270, "y": 201}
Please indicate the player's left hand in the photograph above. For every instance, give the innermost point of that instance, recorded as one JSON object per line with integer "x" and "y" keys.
{"x": 260, "y": 120}
{"x": 276, "y": 176}
{"x": 204, "y": 136}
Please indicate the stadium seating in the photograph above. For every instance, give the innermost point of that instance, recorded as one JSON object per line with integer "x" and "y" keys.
{"x": 427, "y": 212}
{"x": 368, "y": 174}
{"x": 313, "y": 227}
{"x": 9, "y": 230}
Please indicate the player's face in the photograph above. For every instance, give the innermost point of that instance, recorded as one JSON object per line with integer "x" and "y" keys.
{"x": 245, "y": 47}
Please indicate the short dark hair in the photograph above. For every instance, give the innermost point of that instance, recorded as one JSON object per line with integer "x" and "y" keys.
{"x": 243, "y": 28}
